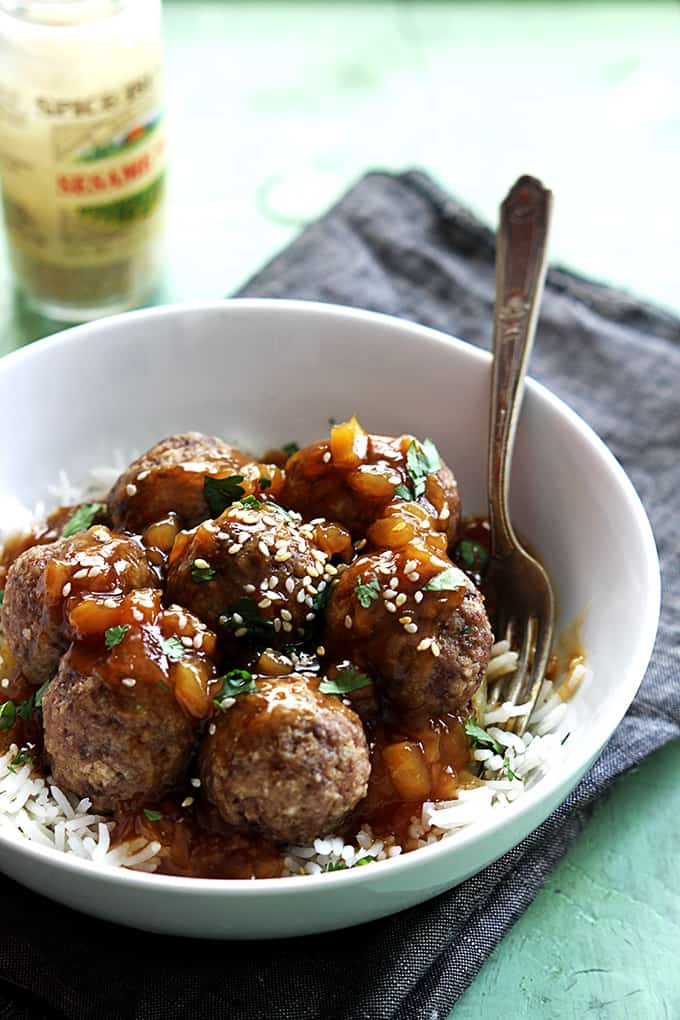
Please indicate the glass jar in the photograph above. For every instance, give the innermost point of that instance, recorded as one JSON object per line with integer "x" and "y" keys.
{"x": 82, "y": 152}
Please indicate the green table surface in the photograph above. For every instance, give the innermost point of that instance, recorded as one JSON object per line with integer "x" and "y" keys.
{"x": 275, "y": 108}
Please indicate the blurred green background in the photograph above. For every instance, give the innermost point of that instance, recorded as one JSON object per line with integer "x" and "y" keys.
{"x": 274, "y": 110}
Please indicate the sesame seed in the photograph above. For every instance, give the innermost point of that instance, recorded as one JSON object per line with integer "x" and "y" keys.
{"x": 321, "y": 585}
{"x": 348, "y": 621}
{"x": 273, "y": 581}
{"x": 112, "y": 604}
{"x": 404, "y": 620}
{"x": 410, "y": 565}
{"x": 79, "y": 574}
{"x": 399, "y": 526}
{"x": 424, "y": 644}
{"x": 300, "y": 597}
{"x": 241, "y": 632}
{"x": 128, "y": 681}
{"x": 321, "y": 650}
{"x": 264, "y": 549}
{"x": 264, "y": 603}
{"x": 445, "y": 514}
{"x": 248, "y": 518}
{"x": 390, "y": 607}
{"x": 309, "y": 601}
{"x": 233, "y": 549}
{"x": 282, "y": 556}
{"x": 264, "y": 585}
{"x": 309, "y": 617}
{"x": 411, "y": 628}
{"x": 4, "y": 682}
{"x": 301, "y": 546}
{"x": 326, "y": 457}
{"x": 312, "y": 572}
{"x": 331, "y": 570}
{"x": 413, "y": 576}
{"x": 201, "y": 564}
{"x": 131, "y": 489}
{"x": 270, "y": 520}
{"x": 287, "y": 626}
{"x": 418, "y": 596}
{"x": 286, "y": 615}
{"x": 187, "y": 802}
{"x": 360, "y": 544}
{"x": 318, "y": 555}
{"x": 198, "y": 641}
{"x": 394, "y": 479}
{"x": 394, "y": 583}
{"x": 66, "y": 590}
{"x": 435, "y": 649}
{"x": 222, "y": 620}
{"x": 212, "y": 729}
{"x": 290, "y": 585}
{"x": 400, "y": 599}
{"x": 237, "y": 618}
{"x": 142, "y": 475}
{"x": 281, "y": 543}
{"x": 195, "y": 782}
{"x": 187, "y": 642}
{"x": 250, "y": 588}
{"x": 277, "y": 625}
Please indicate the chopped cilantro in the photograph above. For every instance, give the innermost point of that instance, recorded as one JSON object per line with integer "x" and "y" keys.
{"x": 246, "y": 615}
{"x": 153, "y": 816}
{"x": 114, "y": 635}
{"x": 173, "y": 648}
{"x": 204, "y": 572}
{"x": 346, "y": 681}
{"x": 448, "y": 580}
{"x": 40, "y": 693}
{"x": 265, "y": 482}
{"x": 336, "y": 866}
{"x": 8, "y": 713}
{"x": 2, "y": 599}
{"x": 422, "y": 459}
{"x": 23, "y": 758}
{"x": 235, "y": 682}
{"x": 364, "y": 860}
{"x": 81, "y": 519}
{"x": 222, "y": 492}
{"x": 289, "y": 449}
{"x": 506, "y": 766}
{"x": 367, "y": 591}
{"x": 403, "y": 492}
{"x": 480, "y": 738}
{"x": 252, "y": 502}
{"x": 471, "y": 555}
{"x": 25, "y": 709}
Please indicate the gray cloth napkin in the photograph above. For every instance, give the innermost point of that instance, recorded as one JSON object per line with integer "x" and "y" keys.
{"x": 399, "y": 245}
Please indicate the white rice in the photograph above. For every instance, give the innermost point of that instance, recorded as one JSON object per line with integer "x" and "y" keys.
{"x": 34, "y": 809}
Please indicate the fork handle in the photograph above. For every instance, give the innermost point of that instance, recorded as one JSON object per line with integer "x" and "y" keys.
{"x": 520, "y": 271}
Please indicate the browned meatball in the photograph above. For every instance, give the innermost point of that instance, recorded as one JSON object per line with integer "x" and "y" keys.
{"x": 45, "y": 579}
{"x": 254, "y": 573}
{"x": 287, "y": 760}
{"x": 118, "y": 721}
{"x": 169, "y": 477}
{"x": 353, "y": 477}
{"x": 416, "y": 624}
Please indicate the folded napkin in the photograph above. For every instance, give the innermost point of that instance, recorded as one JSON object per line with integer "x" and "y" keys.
{"x": 399, "y": 245}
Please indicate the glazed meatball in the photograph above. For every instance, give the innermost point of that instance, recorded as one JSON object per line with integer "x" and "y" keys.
{"x": 286, "y": 759}
{"x": 255, "y": 573}
{"x": 119, "y": 721}
{"x": 169, "y": 477}
{"x": 352, "y": 478}
{"x": 45, "y": 579}
{"x": 415, "y": 623}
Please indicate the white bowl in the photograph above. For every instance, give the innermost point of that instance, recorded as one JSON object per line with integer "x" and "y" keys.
{"x": 266, "y": 372}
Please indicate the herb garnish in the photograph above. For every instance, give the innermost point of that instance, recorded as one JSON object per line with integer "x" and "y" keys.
{"x": 23, "y": 758}
{"x": 40, "y": 693}
{"x": 447, "y": 580}
{"x": 81, "y": 519}
{"x": 289, "y": 449}
{"x": 25, "y": 709}
{"x": 201, "y": 571}
{"x": 367, "y": 591}
{"x": 222, "y": 492}
{"x": 251, "y": 619}
{"x": 2, "y": 599}
{"x": 364, "y": 860}
{"x": 422, "y": 459}
{"x": 173, "y": 648}
{"x": 153, "y": 816}
{"x": 235, "y": 682}
{"x": 346, "y": 681}
{"x": 472, "y": 555}
{"x": 265, "y": 482}
{"x": 506, "y": 766}
{"x": 8, "y": 713}
{"x": 252, "y": 502}
{"x": 480, "y": 738}
{"x": 114, "y": 635}
{"x": 336, "y": 866}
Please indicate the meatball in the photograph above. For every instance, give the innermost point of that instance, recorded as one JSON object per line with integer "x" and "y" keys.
{"x": 415, "y": 623}
{"x": 45, "y": 579}
{"x": 287, "y": 760}
{"x": 353, "y": 477}
{"x": 256, "y": 572}
{"x": 169, "y": 477}
{"x": 119, "y": 717}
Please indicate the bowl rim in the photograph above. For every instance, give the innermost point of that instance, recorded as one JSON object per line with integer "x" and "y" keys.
{"x": 563, "y": 773}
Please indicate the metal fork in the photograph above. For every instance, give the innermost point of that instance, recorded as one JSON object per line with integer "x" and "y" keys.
{"x": 526, "y": 605}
